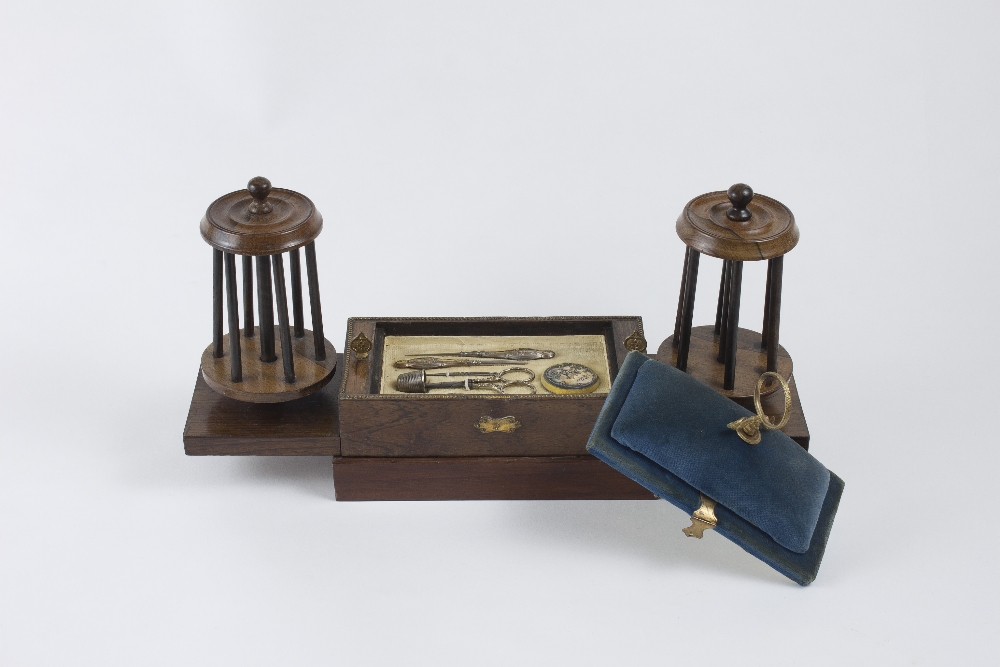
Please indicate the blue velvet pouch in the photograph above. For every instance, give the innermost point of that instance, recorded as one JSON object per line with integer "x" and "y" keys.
{"x": 667, "y": 431}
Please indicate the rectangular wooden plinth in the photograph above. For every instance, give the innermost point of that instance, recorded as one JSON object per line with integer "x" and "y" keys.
{"x": 502, "y": 477}
{"x": 309, "y": 426}
{"x": 796, "y": 428}
{"x": 482, "y": 478}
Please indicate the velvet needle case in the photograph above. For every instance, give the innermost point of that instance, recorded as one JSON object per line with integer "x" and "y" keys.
{"x": 668, "y": 432}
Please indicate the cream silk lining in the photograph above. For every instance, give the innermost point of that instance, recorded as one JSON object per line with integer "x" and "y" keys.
{"x": 590, "y": 350}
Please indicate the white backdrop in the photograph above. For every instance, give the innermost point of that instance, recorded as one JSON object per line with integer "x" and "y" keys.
{"x": 421, "y": 129}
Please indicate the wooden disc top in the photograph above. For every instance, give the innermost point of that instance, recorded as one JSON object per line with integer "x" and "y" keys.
{"x": 261, "y": 220}
{"x": 737, "y": 225}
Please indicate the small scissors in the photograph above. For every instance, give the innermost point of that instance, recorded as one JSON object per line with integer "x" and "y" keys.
{"x": 416, "y": 381}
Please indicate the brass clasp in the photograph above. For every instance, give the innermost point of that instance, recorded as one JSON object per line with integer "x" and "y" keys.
{"x": 487, "y": 424}
{"x": 703, "y": 518}
{"x": 748, "y": 428}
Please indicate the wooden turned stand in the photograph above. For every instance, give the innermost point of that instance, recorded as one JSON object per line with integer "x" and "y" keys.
{"x": 219, "y": 425}
{"x": 736, "y": 227}
{"x": 263, "y": 223}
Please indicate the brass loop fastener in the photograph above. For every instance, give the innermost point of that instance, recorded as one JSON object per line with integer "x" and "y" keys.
{"x": 702, "y": 519}
{"x": 748, "y": 428}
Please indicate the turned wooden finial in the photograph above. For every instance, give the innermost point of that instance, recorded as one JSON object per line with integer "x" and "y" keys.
{"x": 261, "y": 220}
{"x": 259, "y": 188}
{"x": 739, "y": 196}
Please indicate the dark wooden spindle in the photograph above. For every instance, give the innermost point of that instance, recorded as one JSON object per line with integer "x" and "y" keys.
{"x": 217, "y": 304}
{"x": 235, "y": 353}
{"x": 248, "y": 296}
{"x": 727, "y": 272}
{"x": 680, "y": 301}
{"x": 767, "y": 309}
{"x": 722, "y": 298}
{"x": 736, "y": 286}
{"x": 284, "y": 333}
{"x": 296, "y": 271}
{"x": 775, "y": 268}
{"x": 691, "y": 281}
{"x": 265, "y": 302}
{"x": 312, "y": 275}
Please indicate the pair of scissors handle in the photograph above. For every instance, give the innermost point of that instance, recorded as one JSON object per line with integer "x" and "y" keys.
{"x": 501, "y": 387}
{"x": 499, "y": 382}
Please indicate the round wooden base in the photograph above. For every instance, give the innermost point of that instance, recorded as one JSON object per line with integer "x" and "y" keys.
{"x": 265, "y": 382}
{"x": 751, "y": 361}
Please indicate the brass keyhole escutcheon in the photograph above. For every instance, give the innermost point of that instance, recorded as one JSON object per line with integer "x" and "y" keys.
{"x": 487, "y": 424}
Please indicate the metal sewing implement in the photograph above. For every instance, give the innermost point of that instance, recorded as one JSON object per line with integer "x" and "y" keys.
{"x": 520, "y": 354}
{"x": 415, "y": 382}
{"x": 570, "y": 379}
{"x": 424, "y": 363}
{"x": 748, "y": 428}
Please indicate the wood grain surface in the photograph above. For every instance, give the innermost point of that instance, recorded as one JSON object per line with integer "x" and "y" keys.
{"x": 796, "y": 428}
{"x": 264, "y": 382}
{"x": 771, "y": 230}
{"x": 426, "y": 425}
{"x": 482, "y": 478}
{"x": 751, "y": 362}
{"x": 421, "y": 425}
{"x": 217, "y": 425}
{"x": 230, "y": 226}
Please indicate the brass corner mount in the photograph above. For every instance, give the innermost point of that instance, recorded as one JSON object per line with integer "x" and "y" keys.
{"x": 361, "y": 346}
{"x": 635, "y": 342}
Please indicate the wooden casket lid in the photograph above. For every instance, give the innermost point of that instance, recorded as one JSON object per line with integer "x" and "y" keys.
{"x": 737, "y": 225}
{"x": 261, "y": 220}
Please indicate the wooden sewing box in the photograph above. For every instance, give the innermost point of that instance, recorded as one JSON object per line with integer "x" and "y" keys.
{"x": 390, "y": 446}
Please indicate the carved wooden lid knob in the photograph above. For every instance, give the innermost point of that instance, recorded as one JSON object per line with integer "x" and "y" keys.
{"x": 259, "y": 188}
{"x": 261, "y": 220}
{"x": 739, "y": 196}
{"x": 723, "y": 224}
